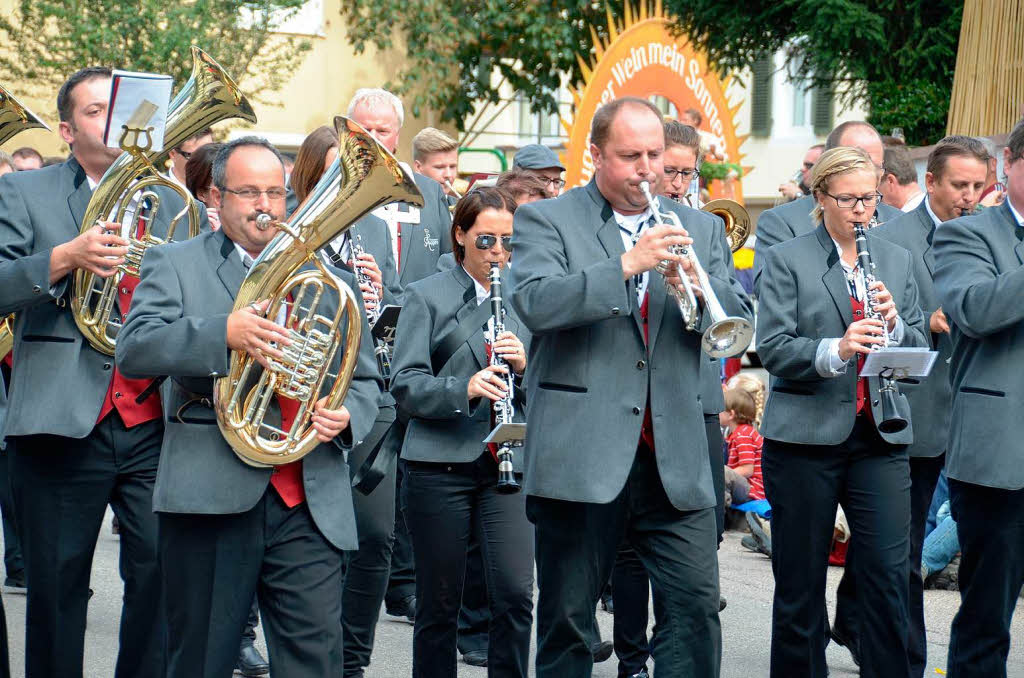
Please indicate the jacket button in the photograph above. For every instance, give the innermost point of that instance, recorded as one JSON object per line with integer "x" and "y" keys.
{"x": 640, "y": 364}
{"x": 214, "y": 375}
{"x": 117, "y": 395}
{"x": 636, "y": 411}
{"x": 875, "y": 403}
{"x": 615, "y": 310}
{"x": 36, "y": 289}
{"x": 124, "y": 290}
{"x": 106, "y": 366}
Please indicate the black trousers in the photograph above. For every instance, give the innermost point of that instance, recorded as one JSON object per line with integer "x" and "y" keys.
{"x": 215, "y": 563}
{"x": 402, "y": 580}
{"x": 576, "y": 547}
{"x": 990, "y": 525}
{"x": 366, "y": 570}
{"x": 63, "y": 486}
{"x": 14, "y": 565}
{"x": 632, "y": 595}
{"x": 475, "y": 614}
{"x": 924, "y": 475}
{"x": 804, "y": 484}
{"x": 445, "y": 503}
{"x": 713, "y": 431}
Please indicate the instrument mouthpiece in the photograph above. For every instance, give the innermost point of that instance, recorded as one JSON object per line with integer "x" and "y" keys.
{"x": 263, "y": 221}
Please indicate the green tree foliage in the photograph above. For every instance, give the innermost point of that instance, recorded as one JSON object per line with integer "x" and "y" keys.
{"x": 897, "y": 56}
{"x": 453, "y": 48}
{"x": 47, "y": 40}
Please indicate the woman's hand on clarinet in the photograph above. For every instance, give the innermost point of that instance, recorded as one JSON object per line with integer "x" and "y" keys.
{"x": 512, "y": 350}
{"x": 884, "y": 304}
{"x": 487, "y": 383}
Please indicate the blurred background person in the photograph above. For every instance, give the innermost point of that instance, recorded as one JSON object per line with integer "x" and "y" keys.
{"x": 524, "y": 186}
{"x": 6, "y": 163}
{"x": 27, "y": 158}
{"x": 436, "y": 155}
{"x": 899, "y": 187}
{"x": 791, "y": 190}
{"x": 541, "y": 161}
{"x": 199, "y": 179}
{"x": 994, "y": 191}
{"x": 180, "y": 154}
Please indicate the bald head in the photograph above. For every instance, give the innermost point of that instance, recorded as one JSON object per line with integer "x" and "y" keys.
{"x": 858, "y": 134}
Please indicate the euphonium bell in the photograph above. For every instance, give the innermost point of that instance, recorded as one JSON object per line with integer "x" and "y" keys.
{"x": 363, "y": 177}
{"x": 208, "y": 97}
{"x": 736, "y": 218}
{"x": 14, "y": 119}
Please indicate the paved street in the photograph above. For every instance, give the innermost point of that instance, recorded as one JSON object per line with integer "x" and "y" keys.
{"x": 746, "y": 582}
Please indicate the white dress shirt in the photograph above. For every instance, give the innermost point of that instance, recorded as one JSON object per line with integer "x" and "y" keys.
{"x": 630, "y": 228}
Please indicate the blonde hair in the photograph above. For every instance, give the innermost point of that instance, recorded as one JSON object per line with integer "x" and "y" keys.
{"x": 754, "y": 387}
{"x": 432, "y": 140}
{"x": 833, "y": 163}
{"x": 741, "y": 404}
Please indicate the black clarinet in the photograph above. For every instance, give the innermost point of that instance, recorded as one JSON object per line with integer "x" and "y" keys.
{"x": 504, "y": 411}
{"x": 891, "y": 422}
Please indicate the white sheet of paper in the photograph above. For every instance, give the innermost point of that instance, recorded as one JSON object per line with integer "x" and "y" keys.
{"x": 127, "y": 91}
{"x": 904, "y": 361}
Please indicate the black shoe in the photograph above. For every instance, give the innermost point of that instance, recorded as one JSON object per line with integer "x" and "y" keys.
{"x": 15, "y": 583}
{"x": 475, "y": 658}
{"x": 607, "y": 604}
{"x": 250, "y": 661}
{"x": 602, "y": 650}
{"x": 405, "y": 609}
{"x": 722, "y": 602}
{"x": 842, "y": 639}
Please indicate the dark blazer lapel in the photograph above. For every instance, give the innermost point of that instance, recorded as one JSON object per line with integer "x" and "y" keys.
{"x": 229, "y": 266}
{"x": 409, "y": 233}
{"x": 78, "y": 199}
{"x": 928, "y": 232}
{"x": 835, "y": 278}
{"x": 611, "y": 241}
{"x": 469, "y": 305}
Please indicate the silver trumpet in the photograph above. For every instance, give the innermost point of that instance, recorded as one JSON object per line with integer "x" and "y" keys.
{"x": 728, "y": 335}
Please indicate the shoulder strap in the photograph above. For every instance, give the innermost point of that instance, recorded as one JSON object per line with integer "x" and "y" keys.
{"x": 464, "y": 330}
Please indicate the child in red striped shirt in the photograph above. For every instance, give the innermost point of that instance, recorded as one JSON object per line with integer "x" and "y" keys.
{"x": 743, "y": 480}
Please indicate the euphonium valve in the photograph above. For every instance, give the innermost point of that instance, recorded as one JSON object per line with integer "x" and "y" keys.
{"x": 727, "y": 335}
{"x": 208, "y": 97}
{"x": 363, "y": 177}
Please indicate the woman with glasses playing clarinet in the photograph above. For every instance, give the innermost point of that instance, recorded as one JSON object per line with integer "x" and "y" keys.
{"x": 452, "y": 376}
{"x": 830, "y": 436}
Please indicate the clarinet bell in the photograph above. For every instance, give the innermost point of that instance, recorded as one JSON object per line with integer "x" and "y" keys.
{"x": 891, "y": 422}
{"x": 507, "y": 483}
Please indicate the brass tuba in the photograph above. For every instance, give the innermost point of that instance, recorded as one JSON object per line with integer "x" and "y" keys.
{"x": 363, "y": 177}
{"x": 736, "y": 218}
{"x": 14, "y": 119}
{"x": 208, "y": 97}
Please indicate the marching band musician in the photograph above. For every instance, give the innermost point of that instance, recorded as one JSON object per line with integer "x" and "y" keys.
{"x": 228, "y": 529}
{"x": 980, "y": 282}
{"x": 436, "y": 155}
{"x": 954, "y": 180}
{"x": 419, "y": 239}
{"x": 84, "y": 434}
{"x": 616, "y": 447}
{"x": 445, "y": 380}
{"x": 366, "y": 569}
{"x": 822, "y": 441}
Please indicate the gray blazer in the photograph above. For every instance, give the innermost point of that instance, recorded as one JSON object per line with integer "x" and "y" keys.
{"x": 177, "y": 327}
{"x": 791, "y": 219}
{"x": 590, "y": 373}
{"x": 58, "y": 371}
{"x": 804, "y": 299}
{"x": 424, "y": 242}
{"x": 979, "y": 278}
{"x": 930, "y": 402}
{"x": 376, "y": 240}
{"x": 444, "y": 425}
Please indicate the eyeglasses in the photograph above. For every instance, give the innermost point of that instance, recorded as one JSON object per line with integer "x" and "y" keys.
{"x": 687, "y": 174}
{"x": 850, "y": 201}
{"x": 808, "y": 166}
{"x": 557, "y": 183}
{"x": 251, "y": 194}
{"x": 486, "y": 242}
{"x": 184, "y": 154}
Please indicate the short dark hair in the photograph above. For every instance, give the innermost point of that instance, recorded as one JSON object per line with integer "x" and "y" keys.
{"x": 65, "y": 107}
{"x": 1015, "y": 142}
{"x": 833, "y": 138}
{"x": 28, "y": 152}
{"x": 309, "y": 163}
{"x": 678, "y": 134}
{"x": 899, "y": 164}
{"x": 953, "y": 146}
{"x": 518, "y": 180}
{"x": 741, "y": 403}
{"x": 199, "y": 168}
{"x": 220, "y": 161}
{"x": 198, "y": 135}
{"x": 695, "y": 114}
{"x": 601, "y": 124}
{"x": 469, "y": 208}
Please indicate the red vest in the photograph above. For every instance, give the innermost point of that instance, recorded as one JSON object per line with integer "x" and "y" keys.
{"x": 287, "y": 478}
{"x": 862, "y": 383}
{"x": 647, "y": 430}
{"x": 491, "y": 447}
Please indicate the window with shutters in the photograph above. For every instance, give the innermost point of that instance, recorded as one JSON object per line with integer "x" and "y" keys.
{"x": 762, "y": 77}
{"x": 821, "y": 107}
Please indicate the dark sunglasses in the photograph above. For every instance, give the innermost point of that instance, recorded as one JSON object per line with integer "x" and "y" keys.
{"x": 486, "y": 242}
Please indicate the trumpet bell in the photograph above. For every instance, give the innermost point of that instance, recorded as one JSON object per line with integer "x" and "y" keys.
{"x": 727, "y": 337}
{"x": 736, "y": 218}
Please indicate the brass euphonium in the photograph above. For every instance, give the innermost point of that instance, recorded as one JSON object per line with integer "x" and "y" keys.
{"x": 736, "y": 218}
{"x": 14, "y": 119}
{"x": 727, "y": 335}
{"x": 363, "y": 177}
{"x": 208, "y": 97}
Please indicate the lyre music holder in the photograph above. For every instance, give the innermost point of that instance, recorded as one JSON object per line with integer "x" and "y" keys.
{"x": 899, "y": 362}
